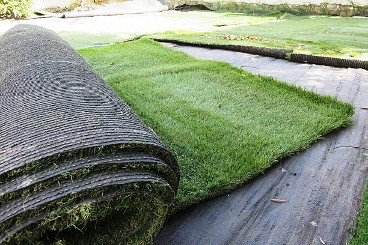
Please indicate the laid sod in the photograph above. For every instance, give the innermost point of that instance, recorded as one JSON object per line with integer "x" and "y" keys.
{"x": 360, "y": 235}
{"x": 319, "y": 35}
{"x": 224, "y": 124}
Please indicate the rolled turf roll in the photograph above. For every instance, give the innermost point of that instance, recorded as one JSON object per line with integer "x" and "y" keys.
{"x": 278, "y": 53}
{"x": 76, "y": 165}
{"x": 329, "y": 61}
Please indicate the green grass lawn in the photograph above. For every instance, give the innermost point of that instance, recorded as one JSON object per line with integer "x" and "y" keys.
{"x": 79, "y": 40}
{"x": 320, "y": 35}
{"x": 224, "y": 124}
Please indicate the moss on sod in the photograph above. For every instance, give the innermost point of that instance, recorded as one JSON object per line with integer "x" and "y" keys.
{"x": 224, "y": 124}
{"x": 125, "y": 214}
{"x": 320, "y": 35}
{"x": 123, "y": 219}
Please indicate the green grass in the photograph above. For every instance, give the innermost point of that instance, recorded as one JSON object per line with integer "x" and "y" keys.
{"x": 224, "y": 124}
{"x": 320, "y": 35}
{"x": 225, "y": 18}
{"x": 360, "y": 235}
{"x": 301, "y": 9}
{"x": 85, "y": 40}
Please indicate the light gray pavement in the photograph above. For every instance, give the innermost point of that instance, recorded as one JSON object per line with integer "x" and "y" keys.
{"x": 122, "y": 25}
{"x": 118, "y": 8}
{"x": 323, "y": 184}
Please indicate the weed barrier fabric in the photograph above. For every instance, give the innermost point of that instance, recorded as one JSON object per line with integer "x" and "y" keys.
{"x": 76, "y": 165}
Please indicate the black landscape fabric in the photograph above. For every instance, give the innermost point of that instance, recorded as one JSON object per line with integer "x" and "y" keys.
{"x": 76, "y": 165}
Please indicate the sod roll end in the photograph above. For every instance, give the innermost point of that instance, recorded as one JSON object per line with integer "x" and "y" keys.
{"x": 76, "y": 165}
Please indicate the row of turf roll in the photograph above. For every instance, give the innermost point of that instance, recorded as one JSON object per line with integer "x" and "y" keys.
{"x": 77, "y": 166}
{"x": 278, "y": 53}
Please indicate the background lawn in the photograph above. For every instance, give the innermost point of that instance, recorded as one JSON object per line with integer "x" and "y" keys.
{"x": 127, "y": 27}
{"x": 321, "y": 35}
{"x": 224, "y": 124}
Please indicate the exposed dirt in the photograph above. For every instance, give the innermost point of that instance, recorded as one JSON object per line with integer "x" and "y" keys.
{"x": 317, "y": 191}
